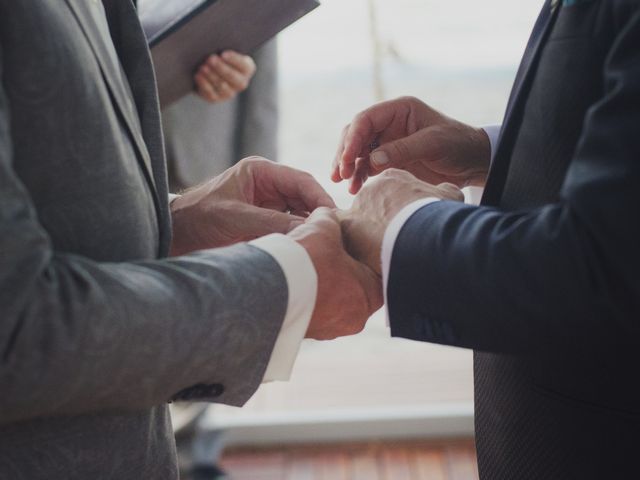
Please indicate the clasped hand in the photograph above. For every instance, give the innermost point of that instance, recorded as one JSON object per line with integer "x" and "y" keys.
{"x": 258, "y": 197}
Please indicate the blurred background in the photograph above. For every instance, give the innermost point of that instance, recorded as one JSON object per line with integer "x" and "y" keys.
{"x": 369, "y": 406}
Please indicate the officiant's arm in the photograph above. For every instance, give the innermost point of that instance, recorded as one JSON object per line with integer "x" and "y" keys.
{"x": 221, "y": 77}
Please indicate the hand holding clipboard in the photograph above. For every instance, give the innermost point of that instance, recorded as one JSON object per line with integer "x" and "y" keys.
{"x": 182, "y": 33}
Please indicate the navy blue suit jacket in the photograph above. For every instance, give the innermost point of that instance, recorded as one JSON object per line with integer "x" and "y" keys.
{"x": 543, "y": 280}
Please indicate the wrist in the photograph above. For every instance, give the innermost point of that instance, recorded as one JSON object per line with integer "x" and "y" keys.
{"x": 184, "y": 217}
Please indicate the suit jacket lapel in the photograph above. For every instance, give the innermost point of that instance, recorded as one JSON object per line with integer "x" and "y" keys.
{"x": 131, "y": 46}
{"x": 117, "y": 89}
{"x": 517, "y": 100}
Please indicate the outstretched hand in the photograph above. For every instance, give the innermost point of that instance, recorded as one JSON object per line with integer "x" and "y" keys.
{"x": 408, "y": 134}
{"x": 256, "y": 197}
{"x": 348, "y": 291}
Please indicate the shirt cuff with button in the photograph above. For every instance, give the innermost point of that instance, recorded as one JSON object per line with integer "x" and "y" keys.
{"x": 302, "y": 284}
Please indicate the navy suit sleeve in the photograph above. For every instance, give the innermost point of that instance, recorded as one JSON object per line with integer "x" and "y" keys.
{"x": 563, "y": 274}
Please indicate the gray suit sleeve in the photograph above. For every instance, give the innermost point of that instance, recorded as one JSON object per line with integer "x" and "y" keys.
{"x": 79, "y": 336}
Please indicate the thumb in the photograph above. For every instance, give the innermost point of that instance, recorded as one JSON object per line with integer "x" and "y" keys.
{"x": 325, "y": 218}
{"x": 256, "y": 222}
{"x": 451, "y": 192}
{"x": 323, "y": 214}
{"x": 402, "y": 152}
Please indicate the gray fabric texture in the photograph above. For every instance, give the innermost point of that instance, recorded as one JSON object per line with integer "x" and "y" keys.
{"x": 97, "y": 329}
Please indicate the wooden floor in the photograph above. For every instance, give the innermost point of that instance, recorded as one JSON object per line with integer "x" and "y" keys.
{"x": 455, "y": 460}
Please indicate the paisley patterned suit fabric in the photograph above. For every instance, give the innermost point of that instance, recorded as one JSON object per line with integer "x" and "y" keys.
{"x": 97, "y": 330}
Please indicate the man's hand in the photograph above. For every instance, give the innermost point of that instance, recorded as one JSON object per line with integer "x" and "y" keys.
{"x": 348, "y": 291}
{"x": 365, "y": 224}
{"x": 222, "y": 77}
{"x": 408, "y": 134}
{"x": 256, "y": 197}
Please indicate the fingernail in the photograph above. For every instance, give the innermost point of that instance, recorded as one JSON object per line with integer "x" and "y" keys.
{"x": 380, "y": 159}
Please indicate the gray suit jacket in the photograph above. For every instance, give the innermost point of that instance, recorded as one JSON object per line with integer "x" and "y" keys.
{"x": 97, "y": 331}
{"x": 203, "y": 140}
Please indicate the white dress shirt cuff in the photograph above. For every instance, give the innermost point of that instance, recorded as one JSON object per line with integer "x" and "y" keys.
{"x": 493, "y": 132}
{"x": 172, "y": 197}
{"x": 390, "y": 237}
{"x": 302, "y": 284}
